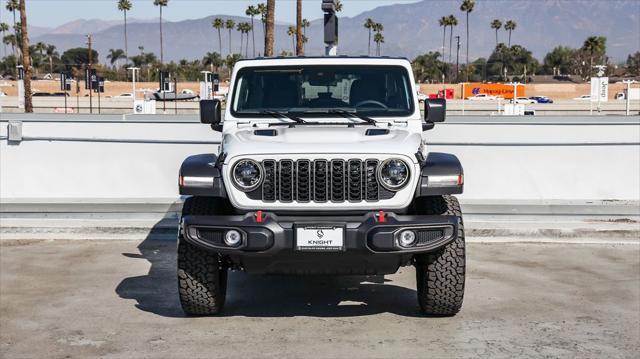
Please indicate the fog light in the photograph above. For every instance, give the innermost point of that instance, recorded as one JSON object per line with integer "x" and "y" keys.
{"x": 407, "y": 238}
{"x": 232, "y": 238}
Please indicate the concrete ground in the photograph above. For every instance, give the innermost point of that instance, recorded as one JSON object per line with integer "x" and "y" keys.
{"x": 78, "y": 299}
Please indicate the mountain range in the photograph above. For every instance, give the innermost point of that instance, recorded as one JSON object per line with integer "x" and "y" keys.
{"x": 409, "y": 30}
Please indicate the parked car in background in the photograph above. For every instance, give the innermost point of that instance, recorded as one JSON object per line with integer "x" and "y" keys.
{"x": 124, "y": 95}
{"x": 525, "y": 101}
{"x": 482, "y": 97}
{"x": 583, "y": 98}
{"x": 541, "y": 99}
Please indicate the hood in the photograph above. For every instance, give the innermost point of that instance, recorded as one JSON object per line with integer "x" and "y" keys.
{"x": 321, "y": 140}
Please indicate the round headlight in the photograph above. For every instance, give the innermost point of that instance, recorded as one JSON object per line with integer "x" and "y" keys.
{"x": 247, "y": 174}
{"x": 393, "y": 174}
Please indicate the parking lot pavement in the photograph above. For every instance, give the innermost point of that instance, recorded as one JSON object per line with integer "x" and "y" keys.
{"x": 77, "y": 299}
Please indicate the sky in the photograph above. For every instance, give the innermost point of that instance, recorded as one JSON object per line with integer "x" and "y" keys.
{"x": 51, "y": 13}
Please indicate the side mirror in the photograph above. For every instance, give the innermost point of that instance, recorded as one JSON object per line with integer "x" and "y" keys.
{"x": 435, "y": 110}
{"x": 210, "y": 112}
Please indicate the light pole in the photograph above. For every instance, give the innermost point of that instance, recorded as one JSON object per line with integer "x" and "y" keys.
{"x": 330, "y": 27}
{"x": 134, "y": 71}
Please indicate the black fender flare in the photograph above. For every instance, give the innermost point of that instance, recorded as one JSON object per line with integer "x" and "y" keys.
{"x": 201, "y": 175}
{"x": 441, "y": 174}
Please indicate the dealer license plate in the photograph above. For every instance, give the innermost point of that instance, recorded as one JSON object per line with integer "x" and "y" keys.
{"x": 320, "y": 238}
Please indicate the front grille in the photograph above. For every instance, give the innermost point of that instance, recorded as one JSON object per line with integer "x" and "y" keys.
{"x": 333, "y": 180}
{"x": 212, "y": 235}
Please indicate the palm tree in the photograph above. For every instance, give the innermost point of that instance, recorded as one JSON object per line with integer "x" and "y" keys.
{"x": 467, "y": 7}
{"x": 305, "y": 24}
{"x": 291, "y": 31}
{"x": 338, "y": 6}
{"x": 452, "y": 21}
{"x": 510, "y": 26}
{"x": 262, "y": 9}
{"x": 231, "y": 61}
{"x": 124, "y": 6}
{"x": 247, "y": 28}
{"x": 212, "y": 59}
{"x": 4, "y": 27}
{"x": 51, "y": 52}
{"x": 378, "y": 38}
{"x": 218, "y": 24}
{"x": 496, "y": 24}
{"x": 115, "y": 55}
{"x": 368, "y": 24}
{"x": 299, "y": 36}
{"x": 161, "y": 4}
{"x": 39, "y": 47}
{"x": 240, "y": 28}
{"x": 252, "y": 11}
{"x": 26, "y": 58}
{"x": 230, "y": 25}
{"x": 444, "y": 22}
{"x": 12, "y": 7}
{"x": 595, "y": 46}
{"x": 269, "y": 34}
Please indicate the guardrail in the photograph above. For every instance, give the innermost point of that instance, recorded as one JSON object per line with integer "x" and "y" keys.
{"x": 135, "y": 159}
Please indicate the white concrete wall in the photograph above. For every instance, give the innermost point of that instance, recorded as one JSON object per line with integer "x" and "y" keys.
{"x": 504, "y": 159}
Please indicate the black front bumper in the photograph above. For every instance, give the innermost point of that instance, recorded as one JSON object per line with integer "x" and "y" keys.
{"x": 370, "y": 245}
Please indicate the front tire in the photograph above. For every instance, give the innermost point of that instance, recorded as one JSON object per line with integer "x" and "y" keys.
{"x": 202, "y": 278}
{"x": 440, "y": 275}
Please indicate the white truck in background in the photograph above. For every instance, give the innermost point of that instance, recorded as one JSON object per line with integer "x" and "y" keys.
{"x": 633, "y": 94}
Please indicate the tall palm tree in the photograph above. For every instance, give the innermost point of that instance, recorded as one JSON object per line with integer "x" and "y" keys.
{"x": 26, "y": 58}
{"x": 230, "y": 25}
{"x": 4, "y": 27}
{"x": 39, "y": 47}
{"x": 240, "y": 28}
{"x": 443, "y": 22}
{"x": 262, "y": 9}
{"x": 291, "y": 31}
{"x": 247, "y": 28}
{"x": 269, "y": 35}
{"x": 115, "y": 55}
{"x": 299, "y": 36}
{"x": 338, "y": 6}
{"x": 378, "y": 38}
{"x": 253, "y": 11}
{"x": 218, "y": 24}
{"x": 305, "y": 24}
{"x": 161, "y": 4}
{"x": 452, "y": 22}
{"x": 124, "y": 6}
{"x": 51, "y": 52}
{"x": 12, "y": 6}
{"x": 497, "y": 25}
{"x": 467, "y": 7}
{"x": 368, "y": 24}
{"x": 510, "y": 26}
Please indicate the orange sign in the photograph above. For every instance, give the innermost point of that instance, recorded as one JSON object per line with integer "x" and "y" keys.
{"x": 500, "y": 90}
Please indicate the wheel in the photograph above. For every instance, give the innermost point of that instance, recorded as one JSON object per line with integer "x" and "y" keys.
{"x": 202, "y": 279}
{"x": 440, "y": 275}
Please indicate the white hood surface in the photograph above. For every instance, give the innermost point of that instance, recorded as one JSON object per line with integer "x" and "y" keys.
{"x": 322, "y": 140}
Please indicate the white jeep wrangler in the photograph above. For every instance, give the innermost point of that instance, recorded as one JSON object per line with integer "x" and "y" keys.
{"x": 322, "y": 169}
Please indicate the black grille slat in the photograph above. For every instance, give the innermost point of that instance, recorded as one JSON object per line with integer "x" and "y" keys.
{"x": 303, "y": 180}
{"x": 371, "y": 180}
{"x": 212, "y": 235}
{"x": 355, "y": 180}
{"x": 286, "y": 180}
{"x": 320, "y": 178}
{"x": 269, "y": 184}
{"x": 337, "y": 181}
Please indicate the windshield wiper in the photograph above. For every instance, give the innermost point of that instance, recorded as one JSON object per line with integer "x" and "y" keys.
{"x": 278, "y": 114}
{"x": 352, "y": 114}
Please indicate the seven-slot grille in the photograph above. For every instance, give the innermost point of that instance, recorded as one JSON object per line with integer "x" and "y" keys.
{"x": 320, "y": 181}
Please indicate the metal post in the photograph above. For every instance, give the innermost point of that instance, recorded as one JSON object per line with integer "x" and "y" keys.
{"x": 89, "y": 75}
{"x": 462, "y": 95}
{"x": 628, "y": 97}
{"x": 175, "y": 94}
{"x": 457, "y": 59}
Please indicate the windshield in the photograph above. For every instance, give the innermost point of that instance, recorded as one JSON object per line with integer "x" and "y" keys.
{"x": 307, "y": 90}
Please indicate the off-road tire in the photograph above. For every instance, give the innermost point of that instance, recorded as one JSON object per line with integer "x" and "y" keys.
{"x": 440, "y": 275}
{"x": 202, "y": 279}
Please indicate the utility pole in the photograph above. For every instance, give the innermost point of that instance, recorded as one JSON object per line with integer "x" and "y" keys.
{"x": 88, "y": 76}
{"x": 457, "y": 58}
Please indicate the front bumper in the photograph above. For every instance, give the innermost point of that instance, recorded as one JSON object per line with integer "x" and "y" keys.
{"x": 370, "y": 245}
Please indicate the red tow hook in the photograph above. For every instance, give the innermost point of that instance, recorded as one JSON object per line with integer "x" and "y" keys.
{"x": 381, "y": 217}
{"x": 259, "y": 217}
